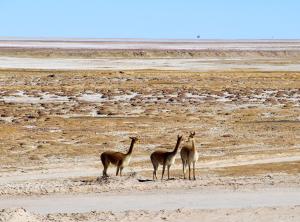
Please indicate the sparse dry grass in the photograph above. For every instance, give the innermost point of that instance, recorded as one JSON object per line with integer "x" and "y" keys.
{"x": 224, "y": 129}
{"x": 256, "y": 169}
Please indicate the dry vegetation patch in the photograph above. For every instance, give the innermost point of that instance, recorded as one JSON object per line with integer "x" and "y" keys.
{"x": 67, "y": 114}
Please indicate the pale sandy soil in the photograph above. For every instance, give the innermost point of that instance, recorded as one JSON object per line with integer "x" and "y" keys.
{"x": 54, "y": 124}
{"x": 83, "y": 177}
{"x": 159, "y": 64}
{"x": 261, "y": 214}
{"x": 169, "y": 199}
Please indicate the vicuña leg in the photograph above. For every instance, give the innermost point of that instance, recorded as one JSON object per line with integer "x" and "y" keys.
{"x": 169, "y": 171}
{"x": 194, "y": 163}
{"x": 121, "y": 169}
{"x": 189, "y": 171}
{"x": 104, "y": 172}
{"x": 155, "y": 166}
{"x": 117, "y": 172}
{"x": 183, "y": 168}
{"x": 154, "y": 174}
{"x": 105, "y": 166}
{"x": 163, "y": 171}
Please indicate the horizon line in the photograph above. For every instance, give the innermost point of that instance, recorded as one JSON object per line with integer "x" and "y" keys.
{"x": 70, "y": 39}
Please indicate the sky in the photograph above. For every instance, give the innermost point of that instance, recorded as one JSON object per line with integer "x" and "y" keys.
{"x": 158, "y": 19}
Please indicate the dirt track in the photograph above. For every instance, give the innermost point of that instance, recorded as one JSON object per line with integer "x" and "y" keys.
{"x": 154, "y": 201}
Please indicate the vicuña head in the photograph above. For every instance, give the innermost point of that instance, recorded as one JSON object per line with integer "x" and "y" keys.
{"x": 189, "y": 155}
{"x": 120, "y": 160}
{"x": 164, "y": 158}
{"x": 191, "y": 136}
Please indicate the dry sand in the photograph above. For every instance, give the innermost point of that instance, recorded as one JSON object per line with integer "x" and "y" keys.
{"x": 286, "y": 214}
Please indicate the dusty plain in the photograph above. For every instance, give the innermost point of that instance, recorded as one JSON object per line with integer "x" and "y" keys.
{"x": 241, "y": 98}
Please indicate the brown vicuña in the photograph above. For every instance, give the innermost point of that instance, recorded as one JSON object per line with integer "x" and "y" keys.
{"x": 117, "y": 158}
{"x": 189, "y": 155}
{"x": 164, "y": 158}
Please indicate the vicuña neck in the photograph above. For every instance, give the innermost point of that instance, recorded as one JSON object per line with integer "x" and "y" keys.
{"x": 176, "y": 147}
{"x": 193, "y": 145}
{"x": 130, "y": 148}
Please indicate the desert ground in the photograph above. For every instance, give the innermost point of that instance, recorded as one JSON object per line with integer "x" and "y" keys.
{"x": 64, "y": 102}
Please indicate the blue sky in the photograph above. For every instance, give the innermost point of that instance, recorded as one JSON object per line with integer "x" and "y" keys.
{"x": 211, "y": 19}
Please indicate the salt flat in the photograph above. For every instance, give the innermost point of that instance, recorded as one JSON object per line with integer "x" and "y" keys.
{"x": 140, "y": 64}
{"x": 161, "y": 44}
{"x": 117, "y": 54}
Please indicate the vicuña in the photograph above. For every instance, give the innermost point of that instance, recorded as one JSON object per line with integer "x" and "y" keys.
{"x": 164, "y": 158}
{"x": 189, "y": 155}
{"x": 118, "y": 159}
